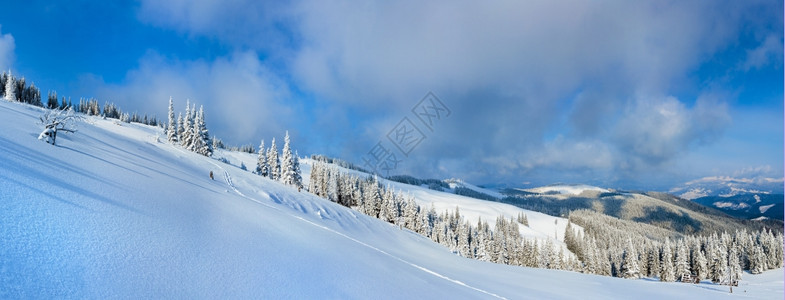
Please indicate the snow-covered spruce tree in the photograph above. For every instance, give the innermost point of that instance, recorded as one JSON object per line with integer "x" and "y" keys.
{"x": 272, "y": 161}
{"x": 757, "y": 261}
{"x": 772, "y": 248}
{"x": 464, "y": 242}
{"x": 171, "y": 130}
{"x": 51, "y": 100}
{"x": 387, "y": 204}
{"x": 180, "y": 128}
{"x": 10, "y": 87}
{"x": 261, "y": 161}
{"x": 682, "y": 260}
{"x": 185, "y": 139}
{"x": 196, "y": 143}
{"x": 654, "y": 267}
{"x": 288, "y": 174}
{"x": 733, "y": 263}
{"x": 332, "y": 184}
{"x": 375, "y": 199}
{"x": 629, "y": 267}
{"x": 313, "y": 180}
{"x": 203, "y": 145}
{"x": 547, "y": 255}
{"x": 719, "y": 264}
{"x": 298, "y": 177}
{"x": 667, "y": 272}
{"x": 701, "y": 270}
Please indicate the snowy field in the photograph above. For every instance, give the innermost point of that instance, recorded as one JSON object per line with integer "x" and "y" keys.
{"x": 113, "y": 211}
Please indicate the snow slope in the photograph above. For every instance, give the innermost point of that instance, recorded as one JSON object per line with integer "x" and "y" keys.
{"x": 460, "y": 183}
{"x": 541, "y": 226}
{"x": 115, "y": 212}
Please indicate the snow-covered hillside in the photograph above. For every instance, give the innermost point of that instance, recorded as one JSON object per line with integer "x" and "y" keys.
{"x": 114, "y": 211}
{"x": 541, "y": 226}
{"x": 566, "y": 189}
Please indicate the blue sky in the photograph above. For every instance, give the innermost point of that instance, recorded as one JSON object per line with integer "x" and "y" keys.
{"x": 626, "y": 94}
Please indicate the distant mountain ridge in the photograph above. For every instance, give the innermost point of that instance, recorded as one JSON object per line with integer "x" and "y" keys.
{"x": 725, "y": 186}
{"x": 748, "y": 205}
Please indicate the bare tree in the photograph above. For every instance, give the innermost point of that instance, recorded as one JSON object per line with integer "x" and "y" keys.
{"x": 57, "y": 120}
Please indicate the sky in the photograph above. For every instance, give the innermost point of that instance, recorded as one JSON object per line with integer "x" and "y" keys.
{"x": 620, "y": 94}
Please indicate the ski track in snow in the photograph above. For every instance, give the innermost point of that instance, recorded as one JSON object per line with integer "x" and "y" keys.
{"x": 228, "y": 179}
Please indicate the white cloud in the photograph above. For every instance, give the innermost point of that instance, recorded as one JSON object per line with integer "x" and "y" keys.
{"x": 243, "y": 99}
{"x": 654, "y": 130}
{"x": 240, "y": 23}
{"x": 768, "y": 52}
{"x": 7, "y": 46}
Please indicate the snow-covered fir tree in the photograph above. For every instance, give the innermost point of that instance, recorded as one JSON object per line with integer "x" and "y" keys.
{"x": 180, "y": 127}
{"x": 10, "y": 87}
{"x": 719, "y": 263}
{"x": 186, "y": 138}
{"x": 700, "y": 267}
{"x": 261, "y": 161}
{"x": 272, "y": 161}
{"x": 298, "y": 177}
{"x": 201, "y": 136}
{"x": 682, "y": 260}
{"x": 629, "y": 267}
{"x": 286, "y": 160}
{"x": 734, "y": 266}
{"x": 289, "y": 167}
{"x": 196, "y": 140}
{"x": 757, "y": 260}
{"x": 171, "y": 129}
{"x": 667, "y": 272}
{"x": 654, "y": 262}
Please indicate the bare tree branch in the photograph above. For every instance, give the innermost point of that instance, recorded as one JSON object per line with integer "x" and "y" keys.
{"x": 58, "y": 120}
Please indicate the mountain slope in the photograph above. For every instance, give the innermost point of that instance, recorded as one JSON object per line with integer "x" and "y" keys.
{"x": 114, "y": 212}
{"x": 659, "y": 209}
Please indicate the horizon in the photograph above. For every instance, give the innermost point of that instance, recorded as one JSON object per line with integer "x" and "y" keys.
{"x": 640, "y": 95}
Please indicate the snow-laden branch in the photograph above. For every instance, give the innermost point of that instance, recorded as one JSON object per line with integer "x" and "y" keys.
{"x": 58, "y": 120}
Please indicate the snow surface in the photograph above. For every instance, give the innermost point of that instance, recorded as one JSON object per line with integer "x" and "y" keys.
{"x": 113, "y": 211}
{"x": 460, "y": 183}
{"x": 695, "y": 193}
{"x": 731, "y": 205}
{"x": 764, "y": 208}
{"x": 571, "y": 189}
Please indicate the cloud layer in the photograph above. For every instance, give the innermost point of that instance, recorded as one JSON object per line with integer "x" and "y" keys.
{"x": 536, "y": 87}
{"x": 7, "y": 46}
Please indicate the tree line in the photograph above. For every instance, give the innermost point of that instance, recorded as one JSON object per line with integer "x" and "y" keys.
{"x": 608, "y": 246}
{"x": 16, "y": 90}
{"x": 189, "y": 131}
{"x": 502, "y": 244}
{"x": 285, "y": 169}
{"x": 620, "y": 248}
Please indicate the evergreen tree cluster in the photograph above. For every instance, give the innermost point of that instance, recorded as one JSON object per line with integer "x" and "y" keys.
{"x": 606, "y": 249}
{"x": 16, "y": 89}
{"x": 190, "y": 131}
{"x": 503, "y": 244}
{"x": 285, "y": 169}
{"x": 339, "y": 162}
{"x": 91, "y": 107}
